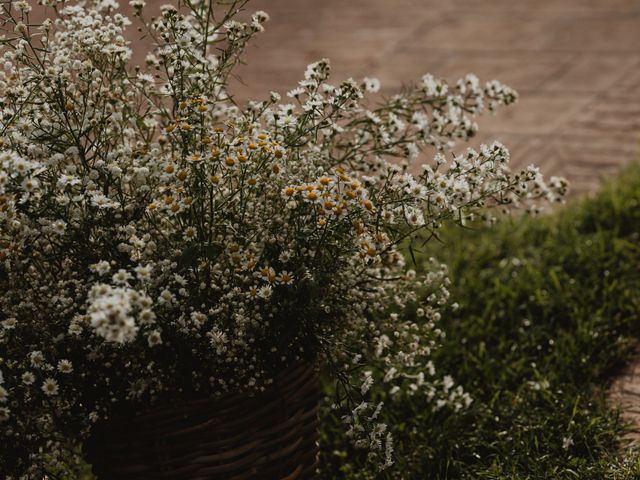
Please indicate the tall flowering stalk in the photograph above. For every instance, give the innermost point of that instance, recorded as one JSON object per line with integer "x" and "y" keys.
{"x": 159, "y": 241}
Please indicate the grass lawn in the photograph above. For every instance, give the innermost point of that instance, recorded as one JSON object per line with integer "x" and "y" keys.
{"x": 549, "y": 309}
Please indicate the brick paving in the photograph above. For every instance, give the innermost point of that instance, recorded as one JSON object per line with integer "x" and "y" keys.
{"x": 624, "y": 393}
{"x": 576, "y": 64}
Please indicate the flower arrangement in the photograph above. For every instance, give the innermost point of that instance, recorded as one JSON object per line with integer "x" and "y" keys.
{"x": 157, "y": 240}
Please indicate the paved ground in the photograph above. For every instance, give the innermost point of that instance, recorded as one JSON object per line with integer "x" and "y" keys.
{"x": 576, "y": 64}
{"x": 625, "y": 394}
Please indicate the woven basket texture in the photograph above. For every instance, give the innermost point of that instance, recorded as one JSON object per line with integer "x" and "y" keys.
{"x": 273, "y": 436}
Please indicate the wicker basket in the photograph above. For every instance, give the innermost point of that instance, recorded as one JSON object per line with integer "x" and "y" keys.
{"x": 273, "y": 436}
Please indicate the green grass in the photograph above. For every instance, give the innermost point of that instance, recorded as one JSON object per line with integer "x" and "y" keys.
{"x": 550, "y": 308}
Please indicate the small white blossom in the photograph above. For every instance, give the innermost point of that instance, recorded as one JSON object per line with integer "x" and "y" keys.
{"x": 371, "y": 84}
{"x": 65, "y": 366}
{"x": 154, "y": 338}
{"x": 101, "y": 268}
{"x": 28, "y": 378}
{"x": 50, "y": 387}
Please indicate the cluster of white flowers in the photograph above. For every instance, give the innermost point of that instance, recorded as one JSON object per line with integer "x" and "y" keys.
{"x": 110, "y": 310}
{"x": 156, "y": 239}
{"x": 367, "y": 433}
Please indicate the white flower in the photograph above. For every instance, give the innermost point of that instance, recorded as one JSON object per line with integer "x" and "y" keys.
{"x": 287, "y": 121}
{"x": 198, "y": 318}
{"x": 261, "y": 16}
{"x": 371, "y": 84}
{"x": 107, "y": 4}
{"x": 101, "y": 268}
{"x": 146, "y": 317}
{"x": 137, "y": 4}
{"x": 367, "y": 383}
{"x": 36, "y": 359}
{"x": 296, "y": 92}
{"x": 257, "y": 19}
{"x": 414, "y": 216}
{"x": 102, "y": 201}
{"x": 59, "y": 227}
{"x": 285, "y": 256}
{"x": 143, "y": 272}
{"x": 285, "y": 278}
{"x": 22, "y": 6}
{"x": 373, "y": 117}
{"x": 65, "y": 180}
{"x": 30, "y": 185}
{"x": 110, "y": 314}
{"x": 218, "y": 340}
{"x": 265, "y": 292}
{"x": 154, "y": 338}
{"x": 50, "y": 387}
{"x": 189, "y": 233}
{"x": 65, "y": 366}
{"x": 121, "y": 277}
{"x": 9, "y": 324}
{"x": 28, "y": 378}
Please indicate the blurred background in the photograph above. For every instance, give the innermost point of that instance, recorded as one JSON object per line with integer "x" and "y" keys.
{"x": 575, "y": 63}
